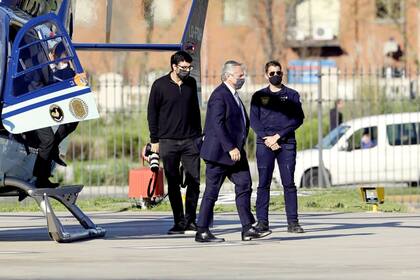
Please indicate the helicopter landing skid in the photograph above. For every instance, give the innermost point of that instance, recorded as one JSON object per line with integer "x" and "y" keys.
{"x": 66, "y": 195}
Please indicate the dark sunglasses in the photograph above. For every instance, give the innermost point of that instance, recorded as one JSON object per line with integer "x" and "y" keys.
{"x": 271, "y": 74}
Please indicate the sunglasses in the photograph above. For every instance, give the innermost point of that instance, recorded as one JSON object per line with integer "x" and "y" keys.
{"x": 271, "y": 74}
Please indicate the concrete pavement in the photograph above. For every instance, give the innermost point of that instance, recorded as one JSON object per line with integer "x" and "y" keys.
{"x": 336, "y": 246}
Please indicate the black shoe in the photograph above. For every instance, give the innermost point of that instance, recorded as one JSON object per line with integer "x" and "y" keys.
{"x": 207, "y": 236}
{"x": 177, "y": 229}
{"x": 295, "y": 228}
{"x": 254, "y": 233}
{"x": 46, "y": 184}
{"x": 59, "y": 161}
{"x": 192, "y": 227}
{"x": 262, "y": 226}
{"x": 22, "y": 196}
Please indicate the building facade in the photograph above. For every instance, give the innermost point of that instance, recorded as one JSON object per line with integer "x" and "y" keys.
{"x": 368, "y": 34}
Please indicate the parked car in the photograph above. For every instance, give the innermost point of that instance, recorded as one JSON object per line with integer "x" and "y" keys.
{"x": 373, "y": 149}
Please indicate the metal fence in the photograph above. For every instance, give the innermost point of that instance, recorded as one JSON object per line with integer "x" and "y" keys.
{"x": 101, "y": 152}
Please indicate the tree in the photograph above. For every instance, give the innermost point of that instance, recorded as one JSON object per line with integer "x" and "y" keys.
{"x": 149, "y": 16}
{"x": 396, "y": 12}
{"x": 273, "y": 17}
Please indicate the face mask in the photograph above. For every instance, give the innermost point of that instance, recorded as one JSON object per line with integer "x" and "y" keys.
{"x": 62, "y": 65}
{"x": 183, "y": 74}
{"x": 239, "y": 83}
{"x": 275, "y": 80}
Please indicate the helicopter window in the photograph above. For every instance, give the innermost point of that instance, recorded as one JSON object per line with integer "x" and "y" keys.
{"x": 44, "y": 59}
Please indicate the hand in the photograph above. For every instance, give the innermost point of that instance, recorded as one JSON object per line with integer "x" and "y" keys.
{"x": 271, "y": 140}
{"x": 155, "y": 148}
{"x": 235, "y": 154}
{"x": 275, "y": 147}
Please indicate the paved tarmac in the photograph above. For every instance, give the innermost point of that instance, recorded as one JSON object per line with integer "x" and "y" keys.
{"x": 335, "y": 246}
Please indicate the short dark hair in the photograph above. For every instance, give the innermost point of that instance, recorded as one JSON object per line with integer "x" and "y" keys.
{"x": 180, "y": 56}
{"x": 271, "y": 63}
{"x": 59, "y": 49}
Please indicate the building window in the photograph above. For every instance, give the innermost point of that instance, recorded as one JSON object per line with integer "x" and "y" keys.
{"x": 163, "y": 12}
{"x": 389, "y": 9}
{"x": 235, "y": 12}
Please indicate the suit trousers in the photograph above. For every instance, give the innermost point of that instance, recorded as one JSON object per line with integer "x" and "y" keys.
{"x": 173, "y": 152}
{"x": 48, "y": 147}
{"x": 215, "y": 175}
{"x": 286, "y": 160}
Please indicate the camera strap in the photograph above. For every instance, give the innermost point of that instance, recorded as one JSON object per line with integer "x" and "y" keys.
{"x": 153, "y": 180}
{"x": 184, "y": 183}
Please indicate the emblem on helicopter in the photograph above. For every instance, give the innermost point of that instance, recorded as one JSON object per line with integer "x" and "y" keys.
{"x": 56, "y": 113}
{"x": 78, "y": 108}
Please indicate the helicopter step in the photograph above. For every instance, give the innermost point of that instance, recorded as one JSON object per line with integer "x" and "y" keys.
{"x": 66, "y": 195}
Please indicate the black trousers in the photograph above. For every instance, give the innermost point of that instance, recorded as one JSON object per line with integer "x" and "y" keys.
{"x": 48, "y": 147}
{"x": 173, "y": 152}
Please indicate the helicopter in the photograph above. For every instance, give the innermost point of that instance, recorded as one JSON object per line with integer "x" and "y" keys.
{"x": 31, "y": 99}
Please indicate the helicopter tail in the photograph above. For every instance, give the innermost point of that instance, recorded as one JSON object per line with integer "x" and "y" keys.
{"x": 193, "y": 36}
{"x": 191, "y": 39}
{"x": 190, "y": 42}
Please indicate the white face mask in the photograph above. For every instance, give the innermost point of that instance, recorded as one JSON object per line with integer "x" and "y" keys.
{"x": 62, "y": 65}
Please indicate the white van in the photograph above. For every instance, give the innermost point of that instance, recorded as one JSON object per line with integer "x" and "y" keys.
{"x": 374, "y": 149}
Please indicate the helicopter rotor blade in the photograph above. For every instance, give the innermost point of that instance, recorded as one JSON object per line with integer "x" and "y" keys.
{"x": 108, "y": 20}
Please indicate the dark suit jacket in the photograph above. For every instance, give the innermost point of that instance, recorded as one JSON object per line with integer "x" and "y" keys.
{"x": 224, "y": 128}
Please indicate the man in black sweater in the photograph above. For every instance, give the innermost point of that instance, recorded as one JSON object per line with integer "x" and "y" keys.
{"x": 174, "y": 124}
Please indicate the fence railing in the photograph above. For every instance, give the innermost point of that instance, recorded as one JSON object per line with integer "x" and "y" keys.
{"x": 101, "y": 152}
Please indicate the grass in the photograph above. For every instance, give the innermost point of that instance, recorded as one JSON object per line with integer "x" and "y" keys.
{"x": 322, "y": 200}
{"x": 341, "y": 200}
{"x": 95, "y": 204}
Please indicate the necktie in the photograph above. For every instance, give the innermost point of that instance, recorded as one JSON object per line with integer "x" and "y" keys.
{"x": 238, "y": 101}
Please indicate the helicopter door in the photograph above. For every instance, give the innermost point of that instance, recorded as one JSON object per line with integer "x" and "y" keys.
{"x": 45, "y": 84}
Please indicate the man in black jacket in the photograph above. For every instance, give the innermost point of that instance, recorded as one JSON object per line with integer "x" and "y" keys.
{"x": 336, "y": 116}
{"x": 174, "y": 124}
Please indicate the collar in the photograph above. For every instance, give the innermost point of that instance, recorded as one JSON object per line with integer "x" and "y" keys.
{"x": 231, "y": 89}
{"x": 281, "y": 91}
{"x": 172, "y": 81}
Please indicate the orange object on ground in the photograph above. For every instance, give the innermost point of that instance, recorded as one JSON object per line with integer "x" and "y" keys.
{"x": 139, "y": 180}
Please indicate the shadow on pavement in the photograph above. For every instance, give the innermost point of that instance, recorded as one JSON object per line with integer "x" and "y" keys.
{"x": 155, "y": 226}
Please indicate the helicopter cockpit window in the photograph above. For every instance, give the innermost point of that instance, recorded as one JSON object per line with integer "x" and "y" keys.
{"x": 44, "y": 59}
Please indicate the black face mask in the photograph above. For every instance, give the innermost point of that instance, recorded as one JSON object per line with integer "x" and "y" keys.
{"x": 275, "y": 80}
{"x": 239, "y": 83}
{"x": 183, "y": 74}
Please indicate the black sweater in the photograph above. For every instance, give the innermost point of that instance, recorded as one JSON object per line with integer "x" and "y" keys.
{"x": 173, "y": 111}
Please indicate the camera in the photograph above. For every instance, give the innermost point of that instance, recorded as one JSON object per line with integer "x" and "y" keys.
{"x": 152, "y": 158}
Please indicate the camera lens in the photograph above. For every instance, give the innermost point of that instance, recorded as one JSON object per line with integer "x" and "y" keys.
{"x": 154, "y": 162}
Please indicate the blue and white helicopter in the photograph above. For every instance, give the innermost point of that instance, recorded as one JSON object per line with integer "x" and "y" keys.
{"x": 31, "y": 99}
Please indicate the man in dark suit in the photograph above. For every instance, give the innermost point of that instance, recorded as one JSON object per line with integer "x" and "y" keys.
{"x": 225, "y": 133}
